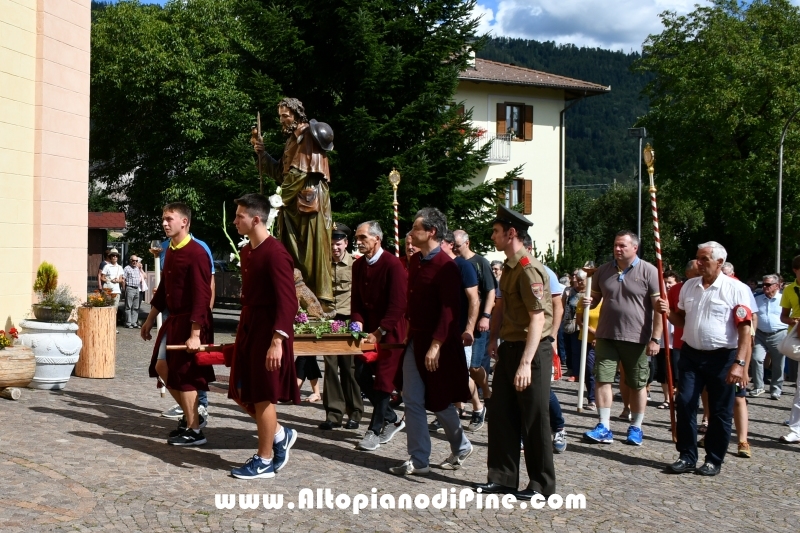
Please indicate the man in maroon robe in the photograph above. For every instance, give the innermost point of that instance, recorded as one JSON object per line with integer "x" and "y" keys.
{"x": 262, "y": 370}
{"x": 434, "y": 364}
{"x": 377, "y": 304}
{"x": 184, "y": 291}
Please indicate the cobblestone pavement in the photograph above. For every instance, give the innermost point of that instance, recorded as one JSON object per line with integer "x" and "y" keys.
{"x": 93, "y": 457}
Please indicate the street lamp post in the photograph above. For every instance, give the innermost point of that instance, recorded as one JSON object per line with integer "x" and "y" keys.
{"x": 394, "y": 179}
{"x": 639, "y": 133}
{"x": 780, "y": 194}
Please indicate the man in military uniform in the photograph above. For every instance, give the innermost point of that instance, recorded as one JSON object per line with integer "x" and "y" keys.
{"x": 523, "y": 318}
{"x": 304, "y": 222}
{"x": 341, "y": 393}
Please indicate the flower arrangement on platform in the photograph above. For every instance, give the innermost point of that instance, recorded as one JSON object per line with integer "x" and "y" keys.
{"x": 7, "y": 339}
{"x": 99, "y": 298}
{"x": 304, "y": 326}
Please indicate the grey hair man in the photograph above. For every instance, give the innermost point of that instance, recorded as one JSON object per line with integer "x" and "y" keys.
{"x": 770, "y": 332}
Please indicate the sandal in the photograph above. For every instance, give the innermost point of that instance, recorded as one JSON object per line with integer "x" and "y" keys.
{"x": 703, "y": 426}
{"x": 625, "y": 415}
{"x": 664, "y": 405}
{"x": 314, "y": 398}
{"x": 591, "y": 407}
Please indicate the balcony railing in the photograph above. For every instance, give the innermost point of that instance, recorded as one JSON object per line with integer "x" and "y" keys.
{"x": 500, "y": 151}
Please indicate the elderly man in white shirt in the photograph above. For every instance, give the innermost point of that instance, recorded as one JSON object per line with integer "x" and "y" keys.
{"x": 716, "y": 312}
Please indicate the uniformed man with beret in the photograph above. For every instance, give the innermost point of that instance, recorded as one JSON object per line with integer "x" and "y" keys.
{"x": 341, "y": 393}
{"x": 523, "y": 319}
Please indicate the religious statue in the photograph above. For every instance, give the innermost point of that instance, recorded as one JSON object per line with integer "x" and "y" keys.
{"x": 304, "y": 222}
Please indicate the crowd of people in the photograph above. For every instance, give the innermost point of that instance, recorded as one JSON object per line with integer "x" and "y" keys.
{"x": 443, "y": 312}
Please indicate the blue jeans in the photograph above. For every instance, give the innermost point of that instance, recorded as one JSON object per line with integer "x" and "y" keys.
{"x": 556, "y": 416}
{"x": 562, "y": 350}
{"x": 589, "y": 373}
{"x": 417, "y": 436}
{"x": 479, "y": 348}
{"x": 573, "y": 350}
{"x": 698, "y": 370}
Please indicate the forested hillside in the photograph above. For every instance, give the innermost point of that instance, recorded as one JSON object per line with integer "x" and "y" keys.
{"x": 599, "y": 149}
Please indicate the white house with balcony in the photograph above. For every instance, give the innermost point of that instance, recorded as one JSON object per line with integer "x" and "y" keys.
{"x": 522, "y": 113}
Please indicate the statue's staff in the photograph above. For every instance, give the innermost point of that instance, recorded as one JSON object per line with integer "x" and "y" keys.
{"x": 257, "y": 131}
{"x": 650, "y": 159}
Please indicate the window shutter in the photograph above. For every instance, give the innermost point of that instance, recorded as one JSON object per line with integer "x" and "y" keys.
{"x": 501, "y": 119}
{"x": 528, "y": 122}
{"x": 527, "y": 196}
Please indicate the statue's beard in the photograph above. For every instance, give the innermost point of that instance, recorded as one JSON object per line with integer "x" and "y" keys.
{"x": 288, "y": 130}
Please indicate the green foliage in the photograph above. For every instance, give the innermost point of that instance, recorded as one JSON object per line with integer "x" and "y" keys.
{"x": 46, "y": 279}
{"x": 175, "y": 92}
{"x": 598, "y": 148}
{"x": 726, "y": 80}
{"x": 60, "y": 300}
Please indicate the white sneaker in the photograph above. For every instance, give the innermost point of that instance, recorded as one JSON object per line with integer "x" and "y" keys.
{"x": 791, "y": 438}
{"x": 454, "y": 462}
{"x": 390, "y": 430}
{"x": 408, "y": 469}
{"x": 203, "y": 411}
{"x": 174, "y": 412}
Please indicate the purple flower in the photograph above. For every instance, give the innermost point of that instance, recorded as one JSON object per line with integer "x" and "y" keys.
{"x": 355, "y": 328}
{"x": 337, "y": 326}
{"x": 301, "y": 318}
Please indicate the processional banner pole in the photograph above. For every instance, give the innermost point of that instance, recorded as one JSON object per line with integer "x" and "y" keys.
{"x": 650, "y": 159}
{"x": 590, "y": 270}
{"x": 394, "y": 179}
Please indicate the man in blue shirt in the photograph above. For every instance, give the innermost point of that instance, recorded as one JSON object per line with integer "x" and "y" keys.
{"x": 770, "y": 332}
{"x": 175, "y": 412}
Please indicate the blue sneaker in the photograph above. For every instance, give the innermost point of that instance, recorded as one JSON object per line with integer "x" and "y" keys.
{"x": 280, "y": 451}
{"x": 254, "y": 468}
{"x": 600, "y": 433}
{"x": 634, "y": 436}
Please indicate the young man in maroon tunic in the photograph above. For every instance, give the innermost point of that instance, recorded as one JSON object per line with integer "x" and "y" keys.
{"x": 377, "y": 304}
{"x": 262, "y": 370}
{"x": 185, "y": 291}
{"x": 435, "y": 372}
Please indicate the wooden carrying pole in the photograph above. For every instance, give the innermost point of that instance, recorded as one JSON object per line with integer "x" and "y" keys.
{"x": 590, "y": 270}
{"x": 649, "y": 157}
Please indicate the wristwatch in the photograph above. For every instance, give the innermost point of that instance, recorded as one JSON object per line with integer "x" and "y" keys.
{"x": 740, "y": 362}
{"x": 486, "y": 315}
{"x": 383, "y": 331}
{"x": 655, "y": 340}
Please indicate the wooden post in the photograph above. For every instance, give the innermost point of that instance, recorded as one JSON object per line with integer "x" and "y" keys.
{"x": 12, "y": 393}
{"x": 97, "y": 328}
{"x": 17, "y": 366}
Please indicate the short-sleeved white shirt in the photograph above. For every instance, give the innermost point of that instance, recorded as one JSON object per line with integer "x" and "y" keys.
{"x": 709, "y": 312}
{"x": 112, "y": 272}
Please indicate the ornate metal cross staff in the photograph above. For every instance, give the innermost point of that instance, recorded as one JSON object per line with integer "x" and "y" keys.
{"x": 394, "y": 179}
{"x": 590, "y": 269}
{"x": 650, "y": 159}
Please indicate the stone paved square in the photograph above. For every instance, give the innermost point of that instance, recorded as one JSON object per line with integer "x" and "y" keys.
{"x": 93, "y": 457}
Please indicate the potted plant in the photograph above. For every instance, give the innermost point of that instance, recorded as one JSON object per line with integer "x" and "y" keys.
{"x": 52, "y": 338}
{"x": 97, "y": 329}
{"x": 17, "y": 364}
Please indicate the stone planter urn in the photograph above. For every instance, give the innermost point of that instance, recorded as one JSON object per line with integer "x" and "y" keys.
{"x": 56, "y": 347}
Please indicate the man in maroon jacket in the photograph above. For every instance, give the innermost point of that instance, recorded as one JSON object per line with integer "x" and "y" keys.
{"x": 185, "y": 291}
{"x": 435, "y": 372}
{"x": 377, "y": 304}
{"x": 263, "y": 371}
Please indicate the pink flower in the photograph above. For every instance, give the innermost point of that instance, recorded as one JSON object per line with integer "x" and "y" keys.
{"x": 301, "y": 318}
{"x": 337, "y": 326}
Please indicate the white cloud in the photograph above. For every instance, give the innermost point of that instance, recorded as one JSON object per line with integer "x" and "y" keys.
{"x": 616, "y": 25}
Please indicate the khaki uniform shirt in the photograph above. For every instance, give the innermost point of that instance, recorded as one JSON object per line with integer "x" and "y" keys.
{"x": 525, "y": 287}
{"x": 342, "y": 281}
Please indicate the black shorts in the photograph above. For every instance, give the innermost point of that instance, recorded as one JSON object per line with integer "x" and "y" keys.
{"x": 306, "y": 368}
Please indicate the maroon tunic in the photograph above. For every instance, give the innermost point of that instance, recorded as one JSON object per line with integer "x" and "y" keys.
{"x": 184, "y": 291}
{"x": 378, "y": 299}
{"x": 434, "y": 292}
{"x": 269, "y": 304}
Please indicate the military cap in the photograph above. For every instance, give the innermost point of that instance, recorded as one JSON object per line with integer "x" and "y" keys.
{"x": 515, "y": 219}
{"x": 340, "y": 231}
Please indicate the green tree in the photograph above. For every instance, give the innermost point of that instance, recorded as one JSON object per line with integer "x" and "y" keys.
{"x": 726, "y": 78}
{"x": 175, "y": 92}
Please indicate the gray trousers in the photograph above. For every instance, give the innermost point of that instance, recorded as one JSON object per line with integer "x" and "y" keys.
{"x": 767, "y": 343}
{"x": 418, "y": 437}
{"x": 131, "y": 306}
{"x": 340, "y": 391}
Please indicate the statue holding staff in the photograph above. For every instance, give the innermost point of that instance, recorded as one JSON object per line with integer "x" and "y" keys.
{"x": 304, "y": 222}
